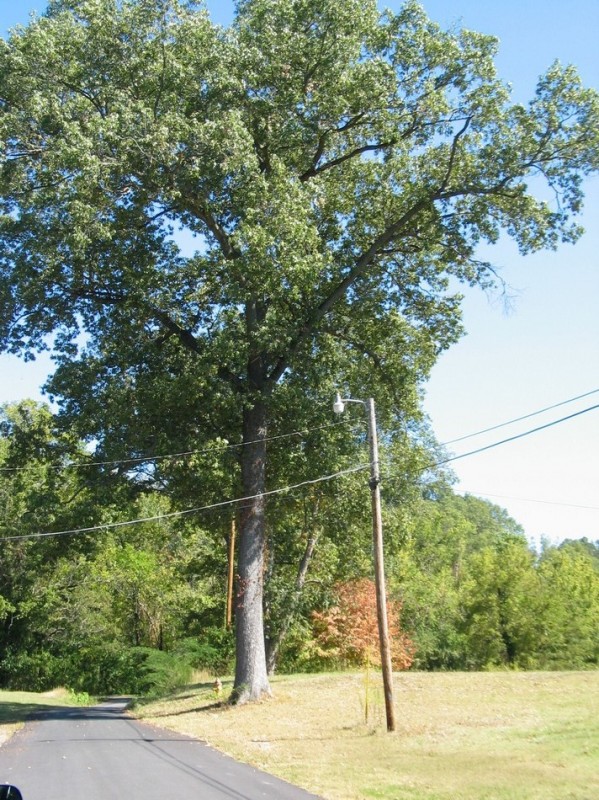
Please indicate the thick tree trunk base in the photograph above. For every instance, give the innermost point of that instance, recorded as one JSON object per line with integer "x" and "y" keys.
{"x": 243, "y": 694}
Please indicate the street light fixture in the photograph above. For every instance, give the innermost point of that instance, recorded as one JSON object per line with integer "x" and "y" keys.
{"x": 379, "y": 561}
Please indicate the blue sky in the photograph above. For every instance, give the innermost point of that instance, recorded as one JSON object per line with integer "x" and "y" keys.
{"x": 542, "y": 349}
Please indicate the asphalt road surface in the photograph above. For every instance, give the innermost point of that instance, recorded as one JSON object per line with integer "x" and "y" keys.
{"x": 100, "y": 753}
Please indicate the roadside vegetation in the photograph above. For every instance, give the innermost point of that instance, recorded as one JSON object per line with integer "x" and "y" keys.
{"x": 474, "y": 736}
{"x": 135, "y": 610}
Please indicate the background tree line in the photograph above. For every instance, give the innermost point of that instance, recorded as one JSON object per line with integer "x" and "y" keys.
{"x": 137, "y": 608}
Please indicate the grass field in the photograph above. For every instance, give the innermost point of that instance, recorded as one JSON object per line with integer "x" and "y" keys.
{"x": 461, "y": 736}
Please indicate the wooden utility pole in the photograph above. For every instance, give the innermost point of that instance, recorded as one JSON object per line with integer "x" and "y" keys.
{"x": 379, "y": 560}
{"x": 379, "y": 566}
{"x": 230, "y": 575}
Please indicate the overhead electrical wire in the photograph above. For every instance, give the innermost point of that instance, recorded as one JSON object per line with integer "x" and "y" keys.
{"x": 208, "y": 450}
{"x": 434, "y": 465}
{"x": 173, "y": 514}
{"x": 211, "y": 450}
{"x": 531, "y": 500}
{"x": 514, "y": 438}
{"x": 520, "y": 419}
{"x": 112, "y": 525}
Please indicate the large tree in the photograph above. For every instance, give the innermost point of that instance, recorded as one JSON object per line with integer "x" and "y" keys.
{"x": 338, "y": 168}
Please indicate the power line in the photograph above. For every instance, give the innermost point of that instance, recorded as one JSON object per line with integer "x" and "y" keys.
{"x": 212, "y": 450}
{"x": 532, "y": 500}
{"x": 207, "y": 450}
{"x": 433, "y": 465}
{"x": 513, "y": 438}
{"x": 519, "y": 419}
{"x": 172, "y": 514}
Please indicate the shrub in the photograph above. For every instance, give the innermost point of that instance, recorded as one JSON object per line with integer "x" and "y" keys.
{"x": 213, "y": 652}
{"x": 35, "y": 672}
{"x": 347, "y": 633}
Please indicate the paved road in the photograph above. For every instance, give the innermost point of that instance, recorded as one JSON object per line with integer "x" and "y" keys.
{"x": 100, "y": 753}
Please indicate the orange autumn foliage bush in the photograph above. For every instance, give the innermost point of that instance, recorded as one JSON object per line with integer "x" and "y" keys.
{"x": 348, "y": 631}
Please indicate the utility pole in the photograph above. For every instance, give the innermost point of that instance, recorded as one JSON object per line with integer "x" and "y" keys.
{"x": 230, "y": 575}
{"x": 379, "y": 558}
{"x": 379, "y": 566}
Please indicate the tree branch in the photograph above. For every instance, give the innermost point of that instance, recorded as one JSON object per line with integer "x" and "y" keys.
{"x": 341, "y": 288}
{"x": 229, "y": 251}
{"x": 452, "y": 154}
{"x": 274, "y": 642}
{"x": 187, "y": 339}
{"x": 314, "y": 170}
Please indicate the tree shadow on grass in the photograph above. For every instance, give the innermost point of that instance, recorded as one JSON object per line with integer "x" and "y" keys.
{"x": 217, "y": 705}
{"x": 202, "y": 691}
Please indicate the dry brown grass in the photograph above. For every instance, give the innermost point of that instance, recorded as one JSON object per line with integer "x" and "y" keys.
{"x": 464, "y": 736}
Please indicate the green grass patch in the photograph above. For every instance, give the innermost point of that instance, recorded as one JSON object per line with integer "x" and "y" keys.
{"x": 472, "y": 736}
{"x": 17, "y": 707}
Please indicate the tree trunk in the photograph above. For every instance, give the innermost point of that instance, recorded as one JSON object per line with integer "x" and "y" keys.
{"x": 273, "y": 645}
{"x": 251, "y": 679}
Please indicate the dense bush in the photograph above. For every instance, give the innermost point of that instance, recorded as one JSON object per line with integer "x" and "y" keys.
{"x": 213, "y": 652}
{"x": 37, "y": 672}
{"x": 102, "y": 670}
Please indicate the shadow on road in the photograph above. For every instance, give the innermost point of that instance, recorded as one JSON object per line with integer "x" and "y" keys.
{"x": 136, "y": 754}
{"x": 21, "y": 712}
{"x": 12, "y": 712}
